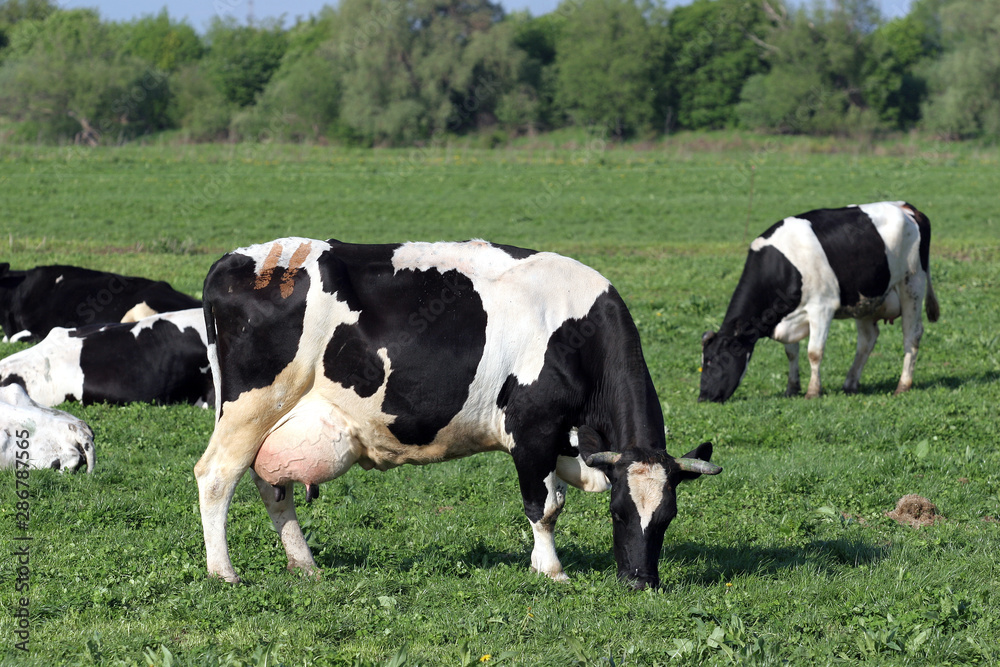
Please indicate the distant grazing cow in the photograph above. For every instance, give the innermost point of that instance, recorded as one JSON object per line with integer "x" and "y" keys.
{"x": 868, "y": 262}
{"x": 159, "y": 359}
{"x": 328, "y": 354}
{"x": 35, "y": 301}
{"x": 37, "y": 437}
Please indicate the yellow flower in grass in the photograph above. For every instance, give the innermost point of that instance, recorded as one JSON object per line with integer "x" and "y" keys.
{"x": 485, "y": 658}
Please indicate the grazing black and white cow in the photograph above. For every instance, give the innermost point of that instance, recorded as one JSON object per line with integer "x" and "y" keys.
{"x": 32, "y": 436}
{"x": 328, "y": 354}
{"x": 35, "y": 301}
{"x": 868, "y": 262}
{"x": 159, "y": 359}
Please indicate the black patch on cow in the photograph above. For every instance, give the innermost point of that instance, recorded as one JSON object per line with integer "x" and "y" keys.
{"x": 594, "y": 374}
{"x": 345, "y": 265}
{"x": 14, "y": 378}
{"x": 34, "y": 301}
{"x": 769, "y": 289}
{"x": 350, "y": 360}
{"x": 432, "y": 325}
{"x": 251, "y": 349}
{"x": 514, "y": 251}
{"x": 924, "y": 225}
{"x": 161, "y": 365}
{"x": 855, "y": 251}
{"x": 769, "y": 232}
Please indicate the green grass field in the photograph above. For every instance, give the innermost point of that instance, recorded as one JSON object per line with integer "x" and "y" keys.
{"x": 787, "y": 557}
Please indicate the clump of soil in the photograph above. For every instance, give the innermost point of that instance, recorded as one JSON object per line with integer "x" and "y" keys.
{"x": 916, "y": 511}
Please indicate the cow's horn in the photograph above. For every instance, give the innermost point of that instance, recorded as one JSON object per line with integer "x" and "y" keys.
{"x": 698, "y": 466}
{"x": 602, "y": 458}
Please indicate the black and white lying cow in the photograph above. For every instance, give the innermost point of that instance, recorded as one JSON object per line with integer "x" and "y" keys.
{"x": 328, "y": 354}
{"x": 868, "y": 262}
{"x": 35, "y": 301}
{"x": 37, "y": 437}
{"x": 159, "y": 359}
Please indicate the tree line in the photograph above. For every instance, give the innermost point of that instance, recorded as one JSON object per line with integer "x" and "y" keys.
{"x": 404, "y": 72}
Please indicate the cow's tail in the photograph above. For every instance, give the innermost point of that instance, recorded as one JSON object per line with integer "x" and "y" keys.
{"x": 931, "y": 302}
{"x": 212, "y": 338}
{"x": 931, "y": 306}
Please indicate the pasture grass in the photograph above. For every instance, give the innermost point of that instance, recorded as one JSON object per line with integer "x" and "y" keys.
{"x": 787, "y": 557}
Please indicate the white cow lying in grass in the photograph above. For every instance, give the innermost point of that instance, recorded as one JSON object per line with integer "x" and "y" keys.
{"x": 41, "y": 437}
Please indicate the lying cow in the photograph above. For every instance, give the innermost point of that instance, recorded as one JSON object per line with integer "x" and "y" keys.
{"x": 35, "y": 301}
{"x": 37, "y": 437}
{"x": 868, "y": 262}
{"x": 159, "y": 359}
{"x": 327, "y": 354}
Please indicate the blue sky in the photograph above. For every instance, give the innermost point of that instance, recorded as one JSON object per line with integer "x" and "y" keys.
{"x": 200, "y": 12}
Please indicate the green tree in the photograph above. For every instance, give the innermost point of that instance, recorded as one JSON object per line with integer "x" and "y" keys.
{"x": 416, "y": 68}
{"x": 13, "y": 12}
{"x": 609, "y": 59}
{"x": 67, "y": 77}
{"x": 242, "y": 59}
{"x": 894, "y": 87}
{"x": 965, "y": 82}
{"x": 163, "y": 43}
{"x": 713, "y": 49}
{"x": 816, "y": 82}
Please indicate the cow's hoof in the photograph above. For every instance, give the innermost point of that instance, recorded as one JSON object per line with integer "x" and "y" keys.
{"x": 901, "y": 389}
{"x": 850, "y": 391}
{"x": 306, "y": 572}
{"x": 554, "y": 576}
{"x": 811, "y": 395}
{"x": 792, "y": 392}
{"x": 229, "y": 579}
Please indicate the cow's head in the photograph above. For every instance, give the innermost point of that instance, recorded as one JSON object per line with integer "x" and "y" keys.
{"x": 643, "y": 499}
{"x": 724, "y": 360}
{"x": 53, "y": 438}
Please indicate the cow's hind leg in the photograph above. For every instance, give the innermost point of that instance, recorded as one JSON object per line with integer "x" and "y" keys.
{"x": 911, "y": 300}
{"x": 229, "y": 454}
{"x": 282, "y": 513}
{"x": 792, "y": 352}
{"x": 867, "y": 335}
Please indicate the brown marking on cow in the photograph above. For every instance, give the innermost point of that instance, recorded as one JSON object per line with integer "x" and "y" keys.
{"x": 271, "y": 261}
{"x": 298, "y": 259}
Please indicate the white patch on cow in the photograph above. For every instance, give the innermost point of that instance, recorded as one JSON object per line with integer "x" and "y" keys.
{"x": 138, "y": 312}
{"x": 820, "y": 290}
{"x": 50, "y": 370}
{"x": 54, "y": 438}
{"x": 20, "y": 335}
{"x": 901, "y": 236}
{"x": 192, "y": 318}
{"x": 59, "y": 279}
{"x": 645, "y": 486}
{"x": 289, "y": 246}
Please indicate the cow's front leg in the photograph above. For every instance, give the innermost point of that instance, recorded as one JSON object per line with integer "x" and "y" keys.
{"x": 792, "y": 352}
{"x": 819, "y": 327}
{"x": 867, "y": 335}
{"x": 543, "y": 501}
{"x": 282, "y": 513}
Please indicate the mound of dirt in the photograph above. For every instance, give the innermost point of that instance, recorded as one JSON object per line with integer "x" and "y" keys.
{"x": 916, "y": 511}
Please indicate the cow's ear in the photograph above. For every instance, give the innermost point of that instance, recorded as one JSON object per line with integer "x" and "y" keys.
{"x": 702, "y": 452}
{"x": 593, "y": 450}
{"x": 707, "y": 337}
